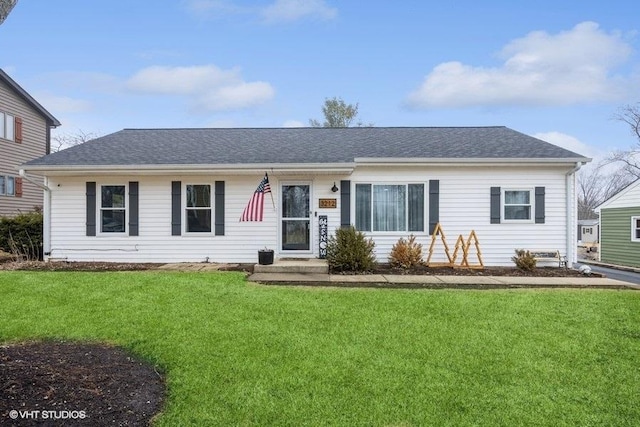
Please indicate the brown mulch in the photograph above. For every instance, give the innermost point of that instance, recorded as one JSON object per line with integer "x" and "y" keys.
{"x": 248, "y": 268}
{"x": 63, "y": 383}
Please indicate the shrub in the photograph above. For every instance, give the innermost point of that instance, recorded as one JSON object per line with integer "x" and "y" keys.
{"x": 406, "y": 253}
{"x": 524, "y": 260}
{"x": 21, "y": 235}
{"x": 349, "y": 250}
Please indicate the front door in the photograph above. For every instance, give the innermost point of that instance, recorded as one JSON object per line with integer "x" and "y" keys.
{"x": 296, "y": 217}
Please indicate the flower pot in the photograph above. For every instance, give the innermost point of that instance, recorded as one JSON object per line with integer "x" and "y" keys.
{"x": 265, "y": 257}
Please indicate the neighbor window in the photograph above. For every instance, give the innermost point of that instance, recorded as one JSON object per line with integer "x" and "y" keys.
{"x": 390, "y": 207}
{"x": 635, "y": 228}
{"x": 7, "y": 126}
{"x": 9, "y": 186}
{"x": 517, "y": 205}
{"x": 113, "y": 209}
{"x": 198, "y": 209}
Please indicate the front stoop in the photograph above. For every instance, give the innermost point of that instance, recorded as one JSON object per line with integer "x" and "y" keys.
{"x": 299, "y": 266}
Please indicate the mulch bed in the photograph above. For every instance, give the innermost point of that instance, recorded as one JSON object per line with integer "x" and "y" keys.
{"x": 63, "y": 383}
{"x": 248, "y": 268}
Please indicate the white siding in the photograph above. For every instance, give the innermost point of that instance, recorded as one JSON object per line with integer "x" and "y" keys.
{"x": 241, "y": 241}
{"x": 464, "y": 206}
{"x": 627, "y": 198}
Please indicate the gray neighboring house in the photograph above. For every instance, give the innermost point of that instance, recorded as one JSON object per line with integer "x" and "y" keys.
{"x": 25, "y": 134}
{"x": 177, "y": 195}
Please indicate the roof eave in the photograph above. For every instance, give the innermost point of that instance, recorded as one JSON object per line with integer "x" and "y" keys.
{"x": 434, "y": 161}
{"x": 191, "y": 169}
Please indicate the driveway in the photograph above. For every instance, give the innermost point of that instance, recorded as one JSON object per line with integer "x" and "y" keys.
{"x": 625, "y": 276}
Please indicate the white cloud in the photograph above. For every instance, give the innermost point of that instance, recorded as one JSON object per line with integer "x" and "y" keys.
{"x": 63, "y": 104}
{"x": 293, "y": 124}
{"x": 207, "y": 87}
{"x": 292, "y": 10}
{"x": 539, "y": 69}
{"x": 569, "y": 142}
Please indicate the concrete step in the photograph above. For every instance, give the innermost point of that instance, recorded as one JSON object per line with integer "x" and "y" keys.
{"x": 300, "y": 266}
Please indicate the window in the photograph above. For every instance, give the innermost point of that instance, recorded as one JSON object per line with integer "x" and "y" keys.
{"x": 635, "y": 228}
{"x": 390, "y": 207}
{"x": 9, "y": 186}
{"x": 517, "y": 205}
{"x": 113, "y": 209}
{"x": 198, "y": 210}
{"x": 587, "y": 230}
{"x": 7, "y": 122}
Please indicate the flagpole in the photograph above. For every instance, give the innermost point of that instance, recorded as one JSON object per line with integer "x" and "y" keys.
{"x": 271, "y": 192}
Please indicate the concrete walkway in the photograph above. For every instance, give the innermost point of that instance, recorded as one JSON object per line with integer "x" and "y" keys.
{"x": 420, "y": 281}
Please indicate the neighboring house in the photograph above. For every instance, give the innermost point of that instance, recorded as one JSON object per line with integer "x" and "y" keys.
{"x": 620, "y": 227}
{"x": 172, "y": 195}
{"x": 588, "y": 231}
{"x": 25, "y": 128}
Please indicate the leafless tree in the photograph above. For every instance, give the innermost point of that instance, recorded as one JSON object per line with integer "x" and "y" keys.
{"x": 61, "y": 141}
{"x": 629, "y": 159}
{"x": 595, "y": 185}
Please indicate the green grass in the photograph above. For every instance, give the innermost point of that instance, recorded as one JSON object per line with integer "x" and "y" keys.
{"x": 241, "y": 354}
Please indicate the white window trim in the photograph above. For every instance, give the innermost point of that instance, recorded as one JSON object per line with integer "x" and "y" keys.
{"x": 6, "y": 185}
{"x": 633, "y": 229}
{"x": 99, "y": 209}
{"x": 425, "y": 208}
{"x": 211, "y": 208}
{"x": 532, "y": 205}
{"x": 6, "y": 118}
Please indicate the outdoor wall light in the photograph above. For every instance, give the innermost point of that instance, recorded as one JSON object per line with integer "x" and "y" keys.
{"x": 334, "y": 188}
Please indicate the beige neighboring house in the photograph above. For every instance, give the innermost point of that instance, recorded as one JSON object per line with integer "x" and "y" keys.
{"x": 25, "y": 134}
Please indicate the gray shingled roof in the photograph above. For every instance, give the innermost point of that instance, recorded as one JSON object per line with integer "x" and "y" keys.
{"x": 302, "y": 145}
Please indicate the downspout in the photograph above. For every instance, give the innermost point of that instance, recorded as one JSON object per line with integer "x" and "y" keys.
{"x": 572, "y": 212}
{"x": 46, "y": 212}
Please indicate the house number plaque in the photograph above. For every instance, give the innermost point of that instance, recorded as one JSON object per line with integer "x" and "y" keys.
{"x": 328, "y": 203}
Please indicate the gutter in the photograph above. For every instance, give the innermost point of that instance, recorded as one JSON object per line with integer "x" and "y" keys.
{"x": 46, "y": 211}
{"x": 572, "y": 212}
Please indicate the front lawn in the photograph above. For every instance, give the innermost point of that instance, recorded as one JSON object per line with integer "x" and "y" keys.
{"x": 236, "y": 353}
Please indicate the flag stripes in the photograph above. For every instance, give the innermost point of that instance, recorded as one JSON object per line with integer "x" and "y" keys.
{"x": 255, "y": 208}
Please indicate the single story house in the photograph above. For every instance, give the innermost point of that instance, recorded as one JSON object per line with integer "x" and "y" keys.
{"x": 177, "y": 195}
{"x": 588, "y": 231}
{"x": 620, "y": 227}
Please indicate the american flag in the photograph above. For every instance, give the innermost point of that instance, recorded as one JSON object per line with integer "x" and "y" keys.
{"x": 255, "y": 207}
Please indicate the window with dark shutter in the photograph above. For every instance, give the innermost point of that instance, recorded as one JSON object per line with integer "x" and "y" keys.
{"x": 18, "y": 130}
{"x": 18, "y": 183}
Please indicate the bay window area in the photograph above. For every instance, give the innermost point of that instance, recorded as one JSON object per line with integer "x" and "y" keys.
{"x": 390, "y": 207}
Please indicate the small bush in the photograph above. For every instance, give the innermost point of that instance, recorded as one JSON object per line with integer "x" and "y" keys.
{"x": 350, "y": 250}
{"x": 406, "y": 253}
{"x": 21, "y": 236}
{"x": 524, "y": 260}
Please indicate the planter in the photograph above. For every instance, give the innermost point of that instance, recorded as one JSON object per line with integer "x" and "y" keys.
{"x": 265, "y": 257}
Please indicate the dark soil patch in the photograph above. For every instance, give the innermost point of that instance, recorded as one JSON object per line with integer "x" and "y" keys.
{"x": 487, "y": 271}
{"x": 62, "y": 384}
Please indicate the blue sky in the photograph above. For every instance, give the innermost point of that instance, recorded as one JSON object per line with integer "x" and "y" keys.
{"x": 555, "y": 70}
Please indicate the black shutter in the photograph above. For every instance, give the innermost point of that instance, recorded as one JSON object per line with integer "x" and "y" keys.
{"x": 219, "y": 207}
{"x": 176, "y": 208}
{"x": 91, "y": 208}
{"x": 495, "y": 205}
{"x": 345, "y": 203}
{"x": 133, "y": 208}
{"x": 539, "y": 205}
{"x": 434, "y": 204}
